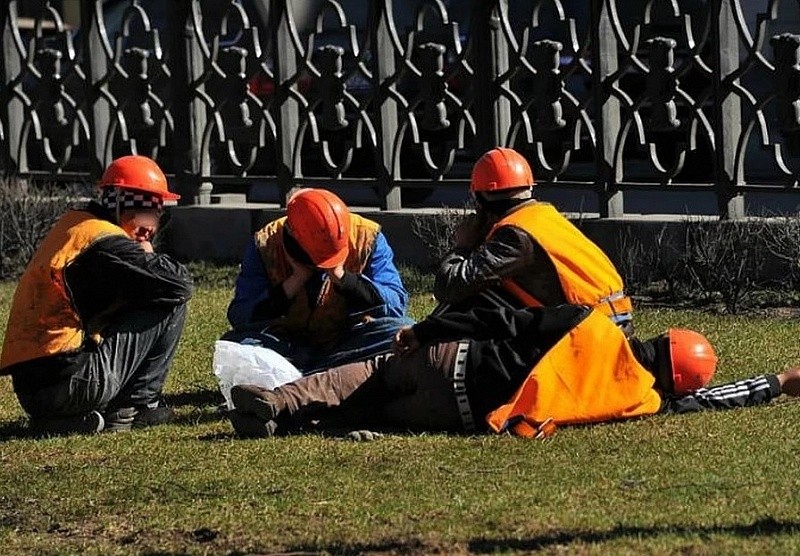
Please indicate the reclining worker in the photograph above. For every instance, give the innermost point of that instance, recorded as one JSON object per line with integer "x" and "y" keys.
{"x": 523, "y": 372}
{"x": 526, "y": 247}
{"x": 97, "y": 314}
{"x": 319, "y": 286}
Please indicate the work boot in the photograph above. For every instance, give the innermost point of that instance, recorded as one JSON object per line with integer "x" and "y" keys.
{"x": 261, "y": 402}
{"x": 120, "y": 419}
{"x": 86, "y": 423}
{"x": 149, "y": 416}
{"x": 125, "y": 418}
{"x": 249, "y": 426}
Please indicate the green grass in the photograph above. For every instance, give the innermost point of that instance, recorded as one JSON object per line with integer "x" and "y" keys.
{"x": 718, "y": 483}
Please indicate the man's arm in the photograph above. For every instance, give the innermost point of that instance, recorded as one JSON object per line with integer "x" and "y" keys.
{"x": 533, "y": 324}
{"x": 464, "y": 273}
{"x": 253, "y": 298}
{"x": 743, "y": 393}
{"x": 379, "y": 288}
{"x": 117, "y": 271}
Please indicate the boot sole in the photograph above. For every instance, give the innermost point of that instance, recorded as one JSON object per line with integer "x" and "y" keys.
{"x": 250, "y": 426}
{"x": 248, "y": 402}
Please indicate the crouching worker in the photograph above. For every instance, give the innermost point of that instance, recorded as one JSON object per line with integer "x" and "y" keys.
{"x": 526, "y": 248}
{"x": 523, "y": 372}
{"x": 97, "y": 313}
{"x": 319, "y": 286}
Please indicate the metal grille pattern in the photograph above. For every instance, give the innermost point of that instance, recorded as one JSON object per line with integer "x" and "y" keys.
{"x": 398, "y": 96}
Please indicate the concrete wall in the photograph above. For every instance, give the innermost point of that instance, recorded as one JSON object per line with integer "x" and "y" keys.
{"x": 219, "y": 233}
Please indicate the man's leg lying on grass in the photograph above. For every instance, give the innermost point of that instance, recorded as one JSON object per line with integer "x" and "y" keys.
{"x": 260, "y": 412}
{"x": 413, "y": 390}
{"x": 421, "y": 396}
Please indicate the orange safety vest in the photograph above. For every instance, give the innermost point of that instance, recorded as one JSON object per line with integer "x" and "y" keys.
{"x": 590, "y": 375}
{"x": 586, "y": 274}
{"x": 43, "y": 321}
{"x": 324, "y": 319}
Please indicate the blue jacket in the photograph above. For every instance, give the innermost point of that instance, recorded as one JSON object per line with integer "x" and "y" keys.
{"x": 253, "y": 288}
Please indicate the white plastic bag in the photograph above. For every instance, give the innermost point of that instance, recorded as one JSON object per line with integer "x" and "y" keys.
{"x": 236, "y": 363}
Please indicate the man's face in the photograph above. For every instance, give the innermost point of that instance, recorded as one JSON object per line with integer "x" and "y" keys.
{"x": 140, "y": 224}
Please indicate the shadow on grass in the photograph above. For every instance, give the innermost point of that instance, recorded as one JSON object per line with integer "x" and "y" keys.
{"x": 197, "y": 398}
{"x": 203, "y": 404}
{"x": 15, "y": 429}
{"x": 764, "y": 527}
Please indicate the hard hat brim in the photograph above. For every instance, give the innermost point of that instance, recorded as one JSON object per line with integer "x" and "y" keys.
{"x": 333, "y": 261}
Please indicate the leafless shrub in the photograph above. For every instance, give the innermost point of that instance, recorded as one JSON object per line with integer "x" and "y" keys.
{"x": 28, "y": 212}
{"x": 726, "y": 258}
{"x": 782, "y": 241}
{"x": 436, "y": 230}
{"x": 632, "y": 261}
{"x": 652, "y": 262}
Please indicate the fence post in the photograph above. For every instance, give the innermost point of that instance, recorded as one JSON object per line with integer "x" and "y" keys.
{"x": 384, "y": 68}
{"x": 728, "y": 111}
{"x": 604, "y": 63}
{"x": 493, "y": 112}
{"x": 13, "y": 112}
{"x": 288, "y": 119}
{"x": 188, "y": 111}
{"x": 96, "y": 64}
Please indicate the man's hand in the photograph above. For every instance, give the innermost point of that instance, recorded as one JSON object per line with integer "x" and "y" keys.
{"x": 143, "y": 233}
{"x": 790, "y": 382}
{"x": 335, "y": 274}
{"x": 471, "y": 231}
{"x": 300, "y": 272}
{"x": 300, "y": 275}
{"x": 147, "y": 246}
{"x": 405, "y": 340}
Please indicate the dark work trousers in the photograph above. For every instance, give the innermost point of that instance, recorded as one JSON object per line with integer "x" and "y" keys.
{"x": 127, "y": 368}
{"x": 413, "y": 391}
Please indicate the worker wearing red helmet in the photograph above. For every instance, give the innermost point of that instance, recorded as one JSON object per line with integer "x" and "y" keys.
{"x": 527, "y": 248}
{"x": 544, "y": 326}
{"x": 97, "y": 314}
{"x": 319, "y": 285}
{"x": 467, "y": 370}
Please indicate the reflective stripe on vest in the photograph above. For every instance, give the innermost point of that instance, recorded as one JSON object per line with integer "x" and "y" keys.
{"x": 324, "y": 319}
{"x": 590, "y": 375}
{"x": 586, "y": 274}
{"x": 42, "y": 320}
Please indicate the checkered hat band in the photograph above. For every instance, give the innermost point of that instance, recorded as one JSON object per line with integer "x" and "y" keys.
{"x": 129, "y": 199}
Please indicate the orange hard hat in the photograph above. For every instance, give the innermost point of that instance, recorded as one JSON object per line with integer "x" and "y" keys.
{"x": 500, "y": 169}
{"x": 692, "y": 360}
{"x": 320, "y": 222}
{"x": 137, "y": 173}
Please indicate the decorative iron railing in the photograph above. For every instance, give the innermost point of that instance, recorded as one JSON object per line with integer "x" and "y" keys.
{"x": 401, "y": 96}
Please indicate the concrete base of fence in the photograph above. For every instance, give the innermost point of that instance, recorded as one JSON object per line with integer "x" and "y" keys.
{"x": 219, "y": 233}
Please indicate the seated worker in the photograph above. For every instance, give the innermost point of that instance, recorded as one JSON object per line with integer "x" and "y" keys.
{"x": 526, "y": 247}
{"x": 97, "y": 314}
{"x": 319, "y": 286}
{"x": 523, "y": 372}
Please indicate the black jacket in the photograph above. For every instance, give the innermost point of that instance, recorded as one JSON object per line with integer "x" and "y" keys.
{"x": 505, "y": 342}
{"x": 113, "y": 275}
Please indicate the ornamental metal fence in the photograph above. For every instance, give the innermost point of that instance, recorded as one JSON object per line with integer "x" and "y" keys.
{"x": 400, "y": 97}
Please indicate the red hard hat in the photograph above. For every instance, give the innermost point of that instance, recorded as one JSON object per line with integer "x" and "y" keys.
{"x": 320, "y": 222}
{"x": 137, "y": 173}
{"x": 500, "y": 169}
{"x": 692, "y": 359}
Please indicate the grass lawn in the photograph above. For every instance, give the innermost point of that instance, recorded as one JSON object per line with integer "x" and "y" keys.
{"x": 721, "y": 483}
